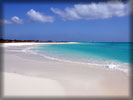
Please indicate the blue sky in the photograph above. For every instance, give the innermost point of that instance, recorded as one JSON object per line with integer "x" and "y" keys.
{"x": 67, "y": 22}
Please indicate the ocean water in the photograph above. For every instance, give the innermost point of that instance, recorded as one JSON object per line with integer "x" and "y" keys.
{"x": 110, "y": 55}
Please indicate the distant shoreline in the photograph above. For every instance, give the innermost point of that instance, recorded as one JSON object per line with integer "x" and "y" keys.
{"x": 8, "y": 44}
{"x": 50, "y": 41}
{"x": 18, "y": 41}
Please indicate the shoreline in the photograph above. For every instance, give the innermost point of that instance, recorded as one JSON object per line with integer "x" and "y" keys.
{"x": 106, "y": 66}
{"x": 103, "y": 82}
{"x": 32, "y": 43}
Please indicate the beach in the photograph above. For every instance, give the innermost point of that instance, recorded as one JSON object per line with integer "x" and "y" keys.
{"x": 27, "y": 74}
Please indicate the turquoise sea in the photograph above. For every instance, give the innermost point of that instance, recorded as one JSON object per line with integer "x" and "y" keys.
{"x": 111, "y": 55}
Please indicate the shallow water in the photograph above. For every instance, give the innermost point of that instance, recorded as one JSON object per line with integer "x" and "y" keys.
{"x": 112, "y": 55}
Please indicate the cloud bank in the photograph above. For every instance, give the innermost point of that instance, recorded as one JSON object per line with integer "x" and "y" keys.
{"x": 93, "y": 11}
{"x": 37, "y": 16}
{"x": 17, "y": 20}
{"x": 102, "y": 10}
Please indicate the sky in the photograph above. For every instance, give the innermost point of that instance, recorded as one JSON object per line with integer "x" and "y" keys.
{"x": 90, "y": 22}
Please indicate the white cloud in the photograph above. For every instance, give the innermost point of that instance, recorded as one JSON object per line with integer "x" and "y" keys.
{"x": 37, "y": 16}
{"x": 17, "y": 20}
{"x": 6, "y": 22}
{"x": 93, "y": 11}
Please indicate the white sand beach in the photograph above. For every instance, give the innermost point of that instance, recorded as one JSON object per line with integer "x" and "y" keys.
{"x": 20, "y": 85}
{"x": 28, "y": 74}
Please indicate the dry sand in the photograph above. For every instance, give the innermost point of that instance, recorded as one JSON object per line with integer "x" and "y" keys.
{"x": 26, "y": 74}
{"x": 20, "y": 85}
